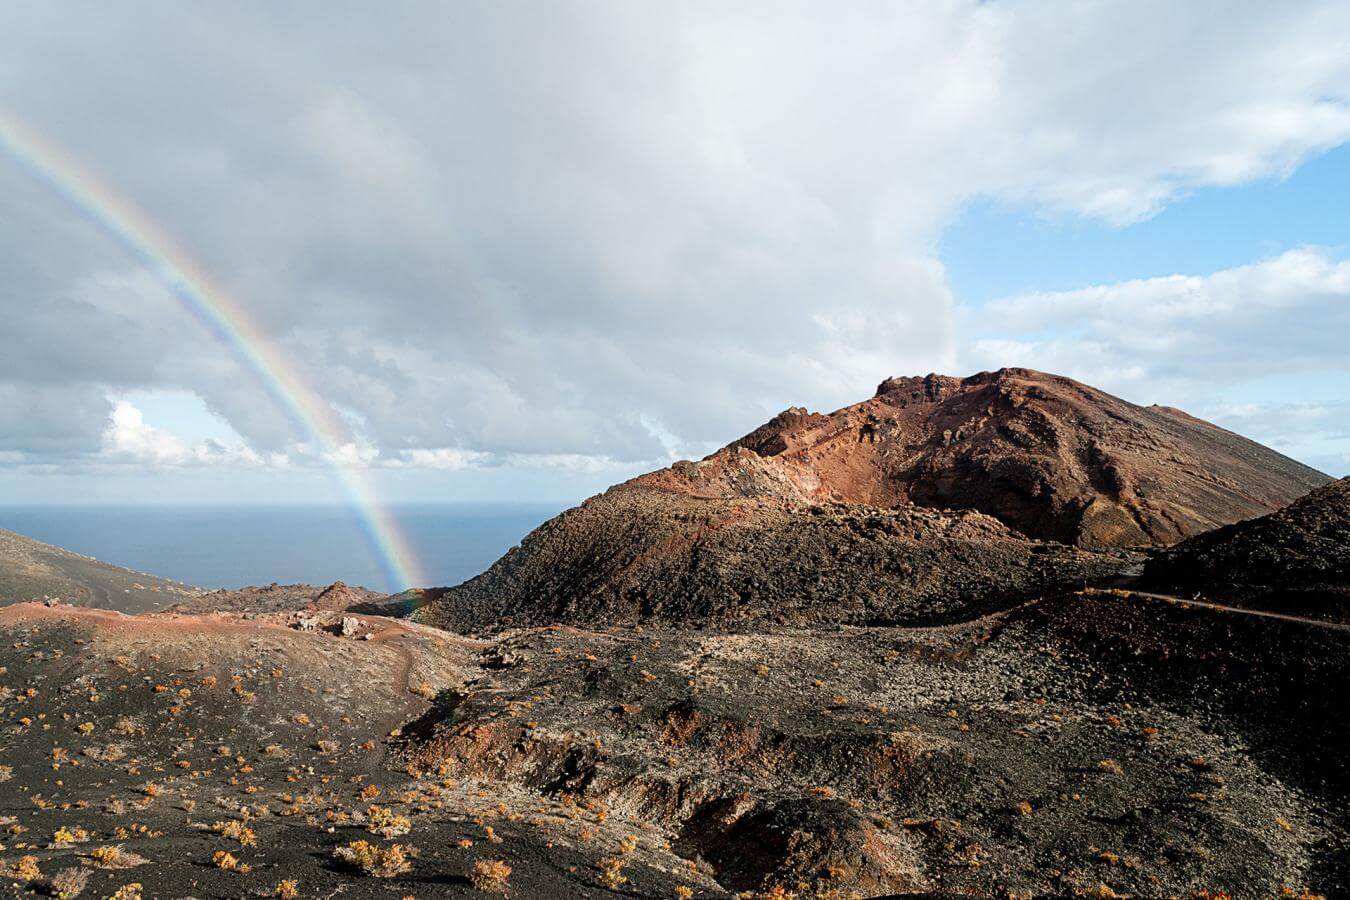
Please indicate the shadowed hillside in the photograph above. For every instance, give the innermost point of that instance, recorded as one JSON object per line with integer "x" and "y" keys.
{"x": 1294, "y": 561}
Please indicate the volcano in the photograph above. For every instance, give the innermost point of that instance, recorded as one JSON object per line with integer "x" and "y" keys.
{"x": 936, "y": 499}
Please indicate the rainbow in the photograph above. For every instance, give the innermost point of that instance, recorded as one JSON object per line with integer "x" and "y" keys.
{"x": 225, "y": 319}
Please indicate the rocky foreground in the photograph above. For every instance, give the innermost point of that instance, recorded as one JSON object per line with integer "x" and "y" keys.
{"x": 1096, "y": 745}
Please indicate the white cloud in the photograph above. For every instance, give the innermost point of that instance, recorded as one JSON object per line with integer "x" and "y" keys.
{"x": 1335, "y": 464}
{"x": 1286, "y": 421}
{"x": 129, "y": 439}
{"x": 486, "y": 234}
{"x": 441, "y": 458}
{"x": 1198, "y": 341}
{"x": 1286, "y": 314}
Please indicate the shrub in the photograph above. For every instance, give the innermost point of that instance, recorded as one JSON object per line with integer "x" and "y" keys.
{"x": 611, "y": 870}
{"x": 115, "y": 858}
{"x": 236, "y": 831}
{"x": 490, "y": 875}
{"x": 68, "y": 835}
{"x": 68, "y": 883}
{"x": 385, "y": 822}
{"x": 224, "y": 859}
{"x": 376, "y": 861}
{"x": 25, "y": 869}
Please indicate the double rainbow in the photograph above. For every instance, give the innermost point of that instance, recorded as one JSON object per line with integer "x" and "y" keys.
{"x": 225, "y": 319}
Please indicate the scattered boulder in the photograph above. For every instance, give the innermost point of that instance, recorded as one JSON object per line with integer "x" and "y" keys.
{"x": 306, "y": 622}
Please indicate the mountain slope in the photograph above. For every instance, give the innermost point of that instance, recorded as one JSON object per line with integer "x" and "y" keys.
{"x": 1294, "y": 561}
{"x": 936, "y": 499}
{"x": 32, "y": 570}
{"x": 634, "y": 554}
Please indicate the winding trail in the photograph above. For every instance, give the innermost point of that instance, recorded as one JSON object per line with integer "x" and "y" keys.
{"x": 1217, "y": 607}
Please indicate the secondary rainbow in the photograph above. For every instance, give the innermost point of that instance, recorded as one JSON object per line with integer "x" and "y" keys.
{"x": 224, "y": 318}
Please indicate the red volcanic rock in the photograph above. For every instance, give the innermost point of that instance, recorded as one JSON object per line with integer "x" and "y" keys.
{"x": 937, "y": 499}
{"x": 1045, "y": 455}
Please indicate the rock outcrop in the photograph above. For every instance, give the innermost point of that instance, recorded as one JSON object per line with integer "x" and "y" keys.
{"x": 281, "y": 598}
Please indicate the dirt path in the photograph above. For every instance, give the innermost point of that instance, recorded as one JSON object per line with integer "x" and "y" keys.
{"x": 403, "y": 676}
{"x": 1217, "y": 607}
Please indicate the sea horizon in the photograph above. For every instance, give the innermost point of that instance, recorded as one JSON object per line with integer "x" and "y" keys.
{"x": 231, "y": 545}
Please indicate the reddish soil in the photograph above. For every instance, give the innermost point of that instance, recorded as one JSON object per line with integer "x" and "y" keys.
{"x": 1046, "y": 455}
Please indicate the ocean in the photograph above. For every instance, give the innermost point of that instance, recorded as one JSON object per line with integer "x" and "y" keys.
{"x": 233, "y": 546}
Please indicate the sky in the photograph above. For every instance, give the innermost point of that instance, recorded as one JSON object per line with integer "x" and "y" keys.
{"x": 520, "y": 251}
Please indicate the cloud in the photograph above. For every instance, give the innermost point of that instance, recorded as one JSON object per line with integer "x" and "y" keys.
{"x": 129, "y": 439}
{"x": 51, "y": 422}
{"x": 1134, "y": 105}
{"x": 1282, "y": 315}
{"x": 496, "y": 233}
{"x": 1286, "y": 423}
{"x": 1251, "y": 332}
{"x": 1335, "y": 464}
{"x": 442, "y": 458}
